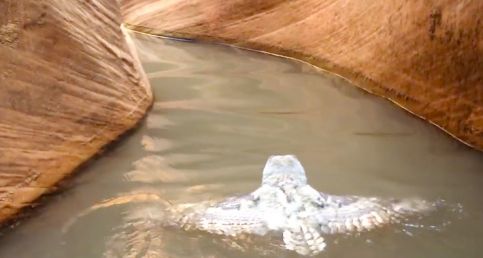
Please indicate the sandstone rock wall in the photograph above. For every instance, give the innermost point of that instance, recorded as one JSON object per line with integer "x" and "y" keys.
{"x": 69, "y": 84}
{"x": 426, "y": 56}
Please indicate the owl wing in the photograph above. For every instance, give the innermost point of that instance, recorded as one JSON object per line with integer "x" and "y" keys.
{"x": 342, "y": 214}
{"x": 231, "y": 217}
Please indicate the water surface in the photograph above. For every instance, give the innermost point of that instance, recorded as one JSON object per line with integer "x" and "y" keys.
{"x": 219, "y": 113}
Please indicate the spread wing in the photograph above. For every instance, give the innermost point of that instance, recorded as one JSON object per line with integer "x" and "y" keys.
{"x": 231, "y": 217}
{"x": 343, "y": 214}
{"x": 336, "y": 214}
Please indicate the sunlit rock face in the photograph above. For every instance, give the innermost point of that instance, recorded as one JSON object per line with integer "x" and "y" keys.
{"x": 425, "y": 55}
{"x": 69, "y": 84}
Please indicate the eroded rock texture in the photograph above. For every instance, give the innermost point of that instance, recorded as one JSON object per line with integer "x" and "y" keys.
{"x": 69, "y": 84}
{"x": 426, "y": 56}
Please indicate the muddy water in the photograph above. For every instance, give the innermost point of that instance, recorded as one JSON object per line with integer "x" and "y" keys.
{"x": 219, "y": 113}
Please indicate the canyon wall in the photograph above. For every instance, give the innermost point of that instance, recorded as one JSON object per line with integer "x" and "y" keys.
{"x": 69, "y": 84}
{"x": 426, "y": 56}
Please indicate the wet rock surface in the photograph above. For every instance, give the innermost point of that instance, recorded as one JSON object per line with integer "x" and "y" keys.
{"x": 69, "y": 84}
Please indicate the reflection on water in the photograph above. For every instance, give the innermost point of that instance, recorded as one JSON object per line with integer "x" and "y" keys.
{"x": 220, "y": 112}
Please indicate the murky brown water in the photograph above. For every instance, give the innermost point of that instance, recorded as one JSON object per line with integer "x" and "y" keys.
{"x": 219, "y": 113}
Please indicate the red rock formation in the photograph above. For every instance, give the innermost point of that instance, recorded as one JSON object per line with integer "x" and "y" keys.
{"x": 68, "y": 85}
{"x": 426, "y": 56}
